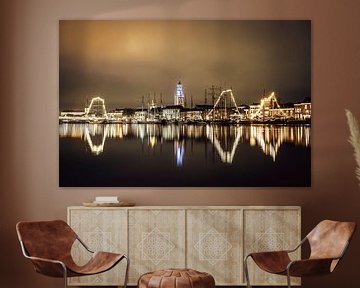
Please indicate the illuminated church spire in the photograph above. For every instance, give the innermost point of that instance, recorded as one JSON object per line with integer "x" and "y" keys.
{"x": 179, "y": 97}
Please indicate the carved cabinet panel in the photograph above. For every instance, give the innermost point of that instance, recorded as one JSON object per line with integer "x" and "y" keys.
{"x": 214, "y": 241}
{"x": 156, "y": 240}
{"x": 270, "y": 230}
{"x": 101, "y": 230}
{"x": 210, "y": 239}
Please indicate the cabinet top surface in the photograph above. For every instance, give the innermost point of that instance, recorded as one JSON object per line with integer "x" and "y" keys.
{"x": 192, "y": 207}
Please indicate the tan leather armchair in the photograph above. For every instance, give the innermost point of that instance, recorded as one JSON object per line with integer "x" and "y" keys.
{"x": 328, "y": 242}
{"x": 48, "y": 245}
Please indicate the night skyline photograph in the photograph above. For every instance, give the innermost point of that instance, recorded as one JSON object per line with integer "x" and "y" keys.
{"x": 188, "y": 103}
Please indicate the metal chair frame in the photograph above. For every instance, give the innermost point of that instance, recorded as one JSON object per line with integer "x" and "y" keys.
{"x": 288, "y": 276}
{"x": 26, "y": 255}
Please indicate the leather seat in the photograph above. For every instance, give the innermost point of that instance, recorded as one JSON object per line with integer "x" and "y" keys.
{"x": 328, "y": 242}
{"x": 48, "y": 245}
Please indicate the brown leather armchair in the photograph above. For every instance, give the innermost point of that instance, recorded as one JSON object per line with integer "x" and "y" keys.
{"x": 328, "y": 242}
{"x": 48, "y": 245}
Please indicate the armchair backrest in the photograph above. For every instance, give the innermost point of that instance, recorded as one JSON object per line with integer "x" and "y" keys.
{"x": 46, "y": 239}
{"x": 329, "y": 239}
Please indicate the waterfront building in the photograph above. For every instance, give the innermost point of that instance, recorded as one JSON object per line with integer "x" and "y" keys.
{"x": 71, "y": 116}
{"x": 140, "y": 115}
{"x": 287, "y": 112}
{"x": 171, "y": 113}
{"x": 191, "y": 114}
{"x": 254, "y": 112}
{"x": 72, "y": 113}
{"x": 179, "y": 97}
{"x": 302, "y": 110}
{"x": 253, "y": 108}
{"x": 116, "y": 115}
{"x": 204, "y": 108}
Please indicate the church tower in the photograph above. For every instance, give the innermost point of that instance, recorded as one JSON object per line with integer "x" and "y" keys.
{"x": 179, "y": 97}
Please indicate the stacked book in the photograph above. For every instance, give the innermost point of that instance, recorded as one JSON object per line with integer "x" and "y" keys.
{"x": 106, "y": 199}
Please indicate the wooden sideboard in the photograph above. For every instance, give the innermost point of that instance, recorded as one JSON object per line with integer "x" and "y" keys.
{"x": 212, "y": 239}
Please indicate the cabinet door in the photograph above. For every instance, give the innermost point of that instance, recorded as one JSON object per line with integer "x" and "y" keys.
{"x": 100, "y": 230}
{"x": 156, "y": 240}
{"x": 271, "y": 230}
{"x": 214, "y": 244}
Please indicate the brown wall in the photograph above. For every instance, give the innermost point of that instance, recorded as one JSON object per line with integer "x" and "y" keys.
{"x": 29, "y": 125}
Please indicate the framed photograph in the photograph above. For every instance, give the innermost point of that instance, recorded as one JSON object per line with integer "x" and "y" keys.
{"x": 170, "y": 103}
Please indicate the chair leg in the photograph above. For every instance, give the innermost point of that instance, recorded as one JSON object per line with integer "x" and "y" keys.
{"x": 65, "y": 276}
{"x": 126, "y": 271}
{"x": 288, "y": 278}
{"x": 246, "y": 270}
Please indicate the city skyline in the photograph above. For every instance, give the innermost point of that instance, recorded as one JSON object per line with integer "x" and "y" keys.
{"x": 124, "y": 61}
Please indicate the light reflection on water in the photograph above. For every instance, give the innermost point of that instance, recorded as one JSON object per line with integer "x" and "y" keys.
{"x": 224, "y": 138}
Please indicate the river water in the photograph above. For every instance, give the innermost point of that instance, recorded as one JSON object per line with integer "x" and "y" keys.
{"x": 154, "y": 155}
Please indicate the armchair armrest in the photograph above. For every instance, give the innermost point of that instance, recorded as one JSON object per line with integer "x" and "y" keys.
{"x": 298, "y": 246}
{"x": 83, "y": 244}
{"x": 314, "y": 266}
{"x": 279, "y": 252}
{"x": 49, "y": 267}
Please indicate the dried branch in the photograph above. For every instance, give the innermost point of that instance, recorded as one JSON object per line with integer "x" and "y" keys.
{"x": 354, "y": 140}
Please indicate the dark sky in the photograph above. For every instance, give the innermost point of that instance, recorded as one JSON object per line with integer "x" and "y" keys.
{"x": 125, "y": 60}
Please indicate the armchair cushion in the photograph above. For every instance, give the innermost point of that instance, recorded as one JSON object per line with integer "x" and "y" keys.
{"x": 99, "y": 262}
{"x": 310, "y": 267}
{"x": 272, "y": 262}
{"x": 48, "y": 245}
